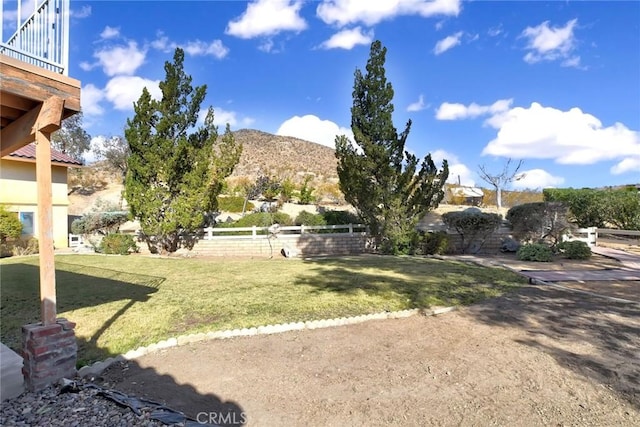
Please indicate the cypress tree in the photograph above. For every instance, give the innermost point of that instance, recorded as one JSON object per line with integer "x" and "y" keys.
{"x": 176, "y": 168}
{"x": 377, "y": 176}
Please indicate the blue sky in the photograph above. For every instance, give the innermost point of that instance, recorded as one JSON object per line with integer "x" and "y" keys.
{"x": 555, "y": 84}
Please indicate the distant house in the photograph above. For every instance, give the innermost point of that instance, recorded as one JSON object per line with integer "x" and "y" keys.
{"x": 471, "y": 196}
{"x": 18, "y": 190}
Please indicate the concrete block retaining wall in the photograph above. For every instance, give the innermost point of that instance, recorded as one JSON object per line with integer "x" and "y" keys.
{"x": 309, "y": 244}
{"x": 491, "y": 246}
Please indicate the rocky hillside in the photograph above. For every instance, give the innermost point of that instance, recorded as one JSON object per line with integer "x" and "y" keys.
{"x": 283, "y": 156}
{"x": 263, "y": 154}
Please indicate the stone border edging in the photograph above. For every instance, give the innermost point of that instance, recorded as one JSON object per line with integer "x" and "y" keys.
{"x": 98, "y": 367}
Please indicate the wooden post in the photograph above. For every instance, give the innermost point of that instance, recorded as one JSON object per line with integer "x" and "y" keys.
{"x": 45, "y": 229}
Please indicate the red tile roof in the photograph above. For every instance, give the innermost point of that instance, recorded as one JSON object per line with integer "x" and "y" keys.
{"x": 29, "y": 152}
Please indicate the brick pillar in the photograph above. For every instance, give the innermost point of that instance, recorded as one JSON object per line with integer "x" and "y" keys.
{"x": 49, "y": 353}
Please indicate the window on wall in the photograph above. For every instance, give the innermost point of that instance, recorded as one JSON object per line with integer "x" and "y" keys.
{"x": 26, "y": 218}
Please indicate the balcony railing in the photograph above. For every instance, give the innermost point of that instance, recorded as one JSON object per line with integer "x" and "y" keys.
{"x": 41, "y": 37}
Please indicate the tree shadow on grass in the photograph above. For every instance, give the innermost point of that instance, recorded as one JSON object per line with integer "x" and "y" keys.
{"x": 418, "y": 282}
{"x": 592, "y": 336}
{"x": 81, "y": 287}
{"x": 77, "y": 287}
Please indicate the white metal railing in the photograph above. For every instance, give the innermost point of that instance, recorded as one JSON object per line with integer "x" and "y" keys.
{"x": 216, "y": 232}
{"x": 42, "y": 37}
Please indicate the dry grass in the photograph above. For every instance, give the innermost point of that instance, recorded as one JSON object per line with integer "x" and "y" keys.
{"x": 121, "y": 303}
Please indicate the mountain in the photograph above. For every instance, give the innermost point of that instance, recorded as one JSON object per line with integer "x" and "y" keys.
{"x": 284, "y": 156}
{"x": 263, "y": 154}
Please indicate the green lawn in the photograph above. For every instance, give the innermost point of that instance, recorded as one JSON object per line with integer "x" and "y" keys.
{"x": 121, "y": 303}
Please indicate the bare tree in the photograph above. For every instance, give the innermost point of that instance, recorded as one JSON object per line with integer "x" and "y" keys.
{"x": 501, "y": 180}
{"x": 115, "y": 150}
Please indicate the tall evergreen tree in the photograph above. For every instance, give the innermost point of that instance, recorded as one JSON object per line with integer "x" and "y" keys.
{"x": 175, "y": 169}
{"x": 377, "y": 176}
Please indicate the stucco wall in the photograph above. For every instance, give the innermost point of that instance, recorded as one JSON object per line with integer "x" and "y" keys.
{"x": 19, "y": 192}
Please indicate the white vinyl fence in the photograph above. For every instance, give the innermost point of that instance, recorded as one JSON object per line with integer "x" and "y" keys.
{"x": 593, "y": 235}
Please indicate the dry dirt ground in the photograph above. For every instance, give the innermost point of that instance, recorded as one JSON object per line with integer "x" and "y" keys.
{"x": 539, "y": 356}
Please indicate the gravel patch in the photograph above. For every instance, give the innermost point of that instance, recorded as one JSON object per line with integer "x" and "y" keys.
{"x": 71, "y": 406}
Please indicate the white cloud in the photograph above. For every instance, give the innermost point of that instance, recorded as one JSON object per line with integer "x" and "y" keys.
{"x": 221, "y": 117}
{"x": 454, "y": 111}
{"x": 447, "y": 43}
{"x": 495, "y": 31}
{"x": 458, "y": 171}
{"x": 534, "y": 179}
{"x": 84, "y": 12}
{"x": 123, "y": 91}
{"x": 110, "y": 32}
{"x": 91, "y": 97}
{"x": 267, "y": 46}
{"x": 95, "y": 145}
{"x": 267, "y": 18}
{"x": 551, "y": 43}
{"x": 347, "y": 39}
{"x": 120, "y": 60}
{"x": 568, "y": 137}
{"x": 630, "y": 164}
{"x": 312, "y": 128}
{"x": 418, "y": 105}
{"x": 200, "y": 48}
{"x": 87, "y": 66}
{"x": 196, "y": 47}
{"x": 345, "y": 12}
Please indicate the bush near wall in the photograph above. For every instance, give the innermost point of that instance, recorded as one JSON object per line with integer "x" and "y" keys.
{"x": 537, "y": 252}
{"x": 340, "y": 218}
{"x": 116, "y": 243}
{"x": 261, "y": 219}
{"x": 539, "y": 222}
{"x": 473, "y": 227}
{"x": 233, "y": 204}
{"x": 311, "y": 219}
{"x": 575, "y": 249}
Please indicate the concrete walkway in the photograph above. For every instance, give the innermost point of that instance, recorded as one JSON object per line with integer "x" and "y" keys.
{"x": 628, "y": 260}
{"x": 11, "y": 381}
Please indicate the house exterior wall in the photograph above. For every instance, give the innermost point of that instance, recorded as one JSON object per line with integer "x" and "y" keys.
{"x": 19, "y": 193}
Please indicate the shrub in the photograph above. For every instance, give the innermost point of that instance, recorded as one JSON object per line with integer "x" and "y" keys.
{"x": 473, "y": 226}
{"x": 25, "y": 247}
{"x": 435, "y": 243}
{"x": 263, "y": 219}
{"x": 535, "y": 252}
{"x": 537, "y": 222}
{"x": 308, "y": 218}
{"x": 585, "y": 204}
{"x": 306, "y": 192}
{"x": 10, "y": 225}
{"x": 575, "y": 249}
{"x": 233, "y": 204}
{"x": 99, "y": 222}
{"x": 116, "y": 243}
{"x": 527, "y": 221}
{"x": 340, "y": 218}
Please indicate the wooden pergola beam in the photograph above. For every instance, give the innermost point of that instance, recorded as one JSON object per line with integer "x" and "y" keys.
{"x": 46, "y": 117}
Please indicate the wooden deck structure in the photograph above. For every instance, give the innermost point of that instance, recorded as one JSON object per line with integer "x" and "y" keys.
{"x": 33, "y": 102}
